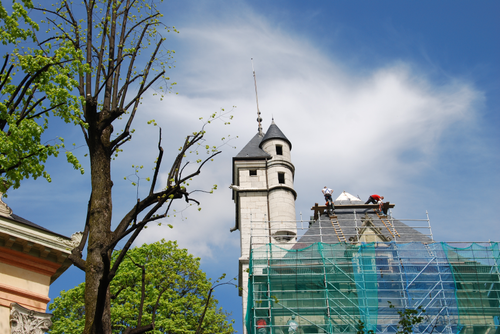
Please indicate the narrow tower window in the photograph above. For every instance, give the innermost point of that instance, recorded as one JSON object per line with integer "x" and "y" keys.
{"x": 281, "y": 178}
{"x": 279, "y": 150}
{"x": 253, "y": 172}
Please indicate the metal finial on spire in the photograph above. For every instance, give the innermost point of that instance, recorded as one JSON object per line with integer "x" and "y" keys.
{"x": 259, "y": 119}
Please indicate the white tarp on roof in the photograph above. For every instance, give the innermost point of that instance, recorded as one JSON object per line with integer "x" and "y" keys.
{"x": 347, "y": 197}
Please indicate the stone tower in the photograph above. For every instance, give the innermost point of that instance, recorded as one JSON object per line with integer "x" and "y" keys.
{"x": 264, "y": 196}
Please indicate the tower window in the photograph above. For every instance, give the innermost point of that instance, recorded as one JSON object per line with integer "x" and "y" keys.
{"x": 281, "y": 178}
{"x": 253, "y": 172}
{"x": 279, "y": 150}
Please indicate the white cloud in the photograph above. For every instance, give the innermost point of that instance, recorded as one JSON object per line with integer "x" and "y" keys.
{"x": 355, "y": 132}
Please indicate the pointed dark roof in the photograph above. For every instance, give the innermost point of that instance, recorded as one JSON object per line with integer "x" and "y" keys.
{"x": 274, "y": 133}
{"x": 252, "y": 150}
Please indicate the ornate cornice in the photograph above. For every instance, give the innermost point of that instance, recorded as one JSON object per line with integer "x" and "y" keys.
{"x": 4, "y": 208}
{"x": 74, "y": 242}
{"x": 40, "y": 237}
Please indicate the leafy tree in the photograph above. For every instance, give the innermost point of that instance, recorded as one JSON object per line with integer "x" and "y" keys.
{"x": 33, "y": 84}
{"x": 116, "y": 73}
{"x": 408, "y": 318}
{"x": 156, "y": 280}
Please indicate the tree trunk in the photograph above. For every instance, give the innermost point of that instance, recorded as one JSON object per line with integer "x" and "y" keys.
{"x": 97, "y": 297}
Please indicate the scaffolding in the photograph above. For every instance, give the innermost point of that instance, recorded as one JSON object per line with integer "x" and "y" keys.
{"x": 331, "y": 287}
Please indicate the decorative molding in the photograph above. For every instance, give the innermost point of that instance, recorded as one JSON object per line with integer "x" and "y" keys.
{"x": 10, "y": 241}
{"x": 4, "y": 208}
{"x": 11, "y": 294}
{"x": 44, "y": 251}
{"x": 23, "y": 320}
{"x": 284, "y": 187}
{"x": 37, "y": 236}
{"x": 281, "y": 163}
{"x": 28, "y": 262}
{"x": 27, "y": 245}
{"x": 74, "y": 242}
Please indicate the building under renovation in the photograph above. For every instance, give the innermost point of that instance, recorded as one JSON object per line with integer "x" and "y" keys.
{"x": 350, "y": 266}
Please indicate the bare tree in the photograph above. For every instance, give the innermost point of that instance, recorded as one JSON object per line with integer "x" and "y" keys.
{"x": 113, "y": 36}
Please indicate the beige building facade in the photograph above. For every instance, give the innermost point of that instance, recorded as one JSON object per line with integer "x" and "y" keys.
{"x": 31, "y": 258}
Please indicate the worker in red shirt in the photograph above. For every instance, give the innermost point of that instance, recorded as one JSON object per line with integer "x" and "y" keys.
{"x": 376, "y": 199}
{"x": 261, "y": 326}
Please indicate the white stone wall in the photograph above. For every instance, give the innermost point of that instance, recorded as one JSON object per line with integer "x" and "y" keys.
{"x": 282, "y": 210}
{"x": 273, "y": 171}
{"x": 246, "y": 181}
{"x": 270, "y": 147}
{"x": 244, "y": 292}
{"x": 253, "y": 220}
{"x": 253, "y": 206}
{"x": 281, "y": 201}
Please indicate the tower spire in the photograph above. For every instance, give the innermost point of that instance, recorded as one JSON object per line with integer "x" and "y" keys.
{"x": 259, "y": 119}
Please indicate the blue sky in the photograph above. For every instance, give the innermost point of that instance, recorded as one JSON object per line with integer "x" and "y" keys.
{"x": 399, "y": 98}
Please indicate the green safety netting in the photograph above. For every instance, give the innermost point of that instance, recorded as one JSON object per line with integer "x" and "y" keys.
{"x": 476, "y": 276}
{"x": 329, "y": 288}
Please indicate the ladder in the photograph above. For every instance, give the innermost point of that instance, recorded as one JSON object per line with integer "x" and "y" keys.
{"x": 387, "y": 223}
{"x": 337, "y": 229}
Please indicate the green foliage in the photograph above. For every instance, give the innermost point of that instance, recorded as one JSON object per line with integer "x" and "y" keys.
{"x": 407, "y": 319}
{"x": 33, "y": 85}
{"x": 171, "y": 274}
{"x": 361, "y": 328}
{"x": 10, "y": 31}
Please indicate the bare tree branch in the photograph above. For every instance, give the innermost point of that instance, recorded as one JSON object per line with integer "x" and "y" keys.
{"x": 108, "y": 77}
{"x": 158, "y": 164}
{"x": 23, "y": 87}
{"x": 42, "y": 112}
{"x": 143, "y": 290}
{"x": 198, "y": 171}
{"x": 143, "y": 329}
{"x": 56, "y": 13}
{"x": 123, "y": 93}
{"x": 7, "y": 75}
{"x": 120, "y": 140}
{"x": 100, "y": 52}
{"x": 76, "y": 253}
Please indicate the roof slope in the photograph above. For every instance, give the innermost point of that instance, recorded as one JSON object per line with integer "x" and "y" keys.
{"x": 252, "y": 150}
{"x": 275, "y": 133}
{"x": 6, "y": 213}
{"x": 26, "y": 222}
{"x": 352, "y": 221}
